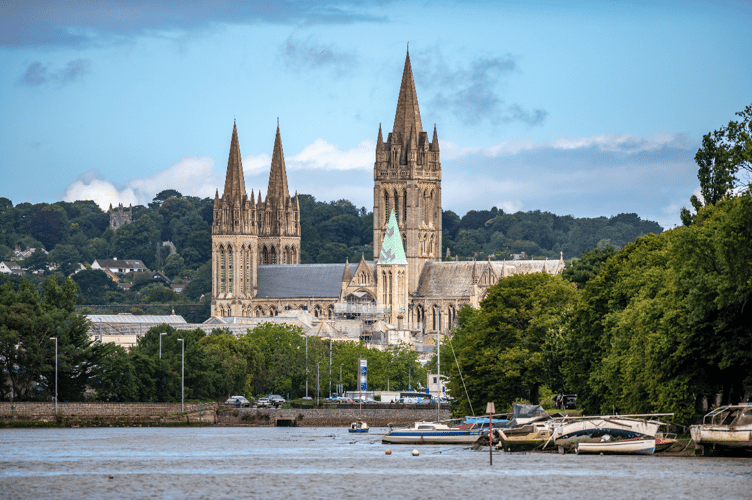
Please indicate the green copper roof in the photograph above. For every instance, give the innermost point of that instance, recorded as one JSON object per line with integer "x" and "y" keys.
{"x": 392, "y": 251}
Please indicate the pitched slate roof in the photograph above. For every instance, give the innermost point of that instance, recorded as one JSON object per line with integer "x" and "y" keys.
{"x": 446, "y": 279}
{"x": 279, "y": 281}
{"x": 392, "y": 252}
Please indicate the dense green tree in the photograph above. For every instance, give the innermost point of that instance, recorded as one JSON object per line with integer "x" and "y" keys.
{"x": 724, "y": 152}
{"x": 67, "y": 257}
{"x": 93, "y": 285}
{"x": 588, "y": 265}
{"x": 501, "y": 348}
{"x": 174, "y": 266}
{"x": 200, "y": 284}
{"x": 48, "y": 226}
{"x": 138, "y": 240}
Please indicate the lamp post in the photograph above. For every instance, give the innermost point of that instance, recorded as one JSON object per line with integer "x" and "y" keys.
{"x": 317, "y": 382}
{"x": 55, "y": 339}
{"x": 306, "y": 367}
{"x": 182, "y": 383}
{"x": 160, "y": 344}
{"x": 341, "y": 387}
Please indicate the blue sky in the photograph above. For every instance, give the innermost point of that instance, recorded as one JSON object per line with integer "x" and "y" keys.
{"x": 581, "y": 108}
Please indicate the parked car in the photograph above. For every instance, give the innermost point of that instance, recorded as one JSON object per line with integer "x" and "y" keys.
{"x": 262, "y": 403}
{"x": 276, "y": 400}
{"x": 569, "y": 401}
{"x": 237, "y": 401}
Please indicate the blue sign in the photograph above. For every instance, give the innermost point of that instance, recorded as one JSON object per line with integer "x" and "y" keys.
{"x": 410, "y": 387}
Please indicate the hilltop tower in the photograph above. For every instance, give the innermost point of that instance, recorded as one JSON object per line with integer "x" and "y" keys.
{"x": 407, "y": 180}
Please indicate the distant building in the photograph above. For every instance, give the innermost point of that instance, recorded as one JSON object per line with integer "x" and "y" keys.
{"x": 119, "y": 266}
{"x": 120, "y": 217}
{"x": 10, "y": 267}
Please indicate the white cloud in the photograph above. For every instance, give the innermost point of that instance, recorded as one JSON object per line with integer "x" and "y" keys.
{"x": 322, "y": 155}
{"x": 612, "y": 143}
{"x": 191, "y": 176}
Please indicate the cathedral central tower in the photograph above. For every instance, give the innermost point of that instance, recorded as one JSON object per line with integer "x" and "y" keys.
{"x": 407, "y": 180}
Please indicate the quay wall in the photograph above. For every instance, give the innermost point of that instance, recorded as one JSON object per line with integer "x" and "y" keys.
{"x": 125, "y": 414}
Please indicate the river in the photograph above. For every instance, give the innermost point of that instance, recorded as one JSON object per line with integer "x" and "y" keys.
{"x": 254, "y": 462}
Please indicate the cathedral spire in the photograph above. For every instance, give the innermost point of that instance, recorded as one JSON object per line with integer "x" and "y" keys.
{"x": 234, "y": 181}
{"x": 407, "y": 115}
{"x": 277, "y": 191}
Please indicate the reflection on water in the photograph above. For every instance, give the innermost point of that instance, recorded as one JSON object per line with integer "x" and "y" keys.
{"x": 240, "y": 462}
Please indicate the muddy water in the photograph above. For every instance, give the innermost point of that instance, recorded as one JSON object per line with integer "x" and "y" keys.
{"x": 244, "y": 462}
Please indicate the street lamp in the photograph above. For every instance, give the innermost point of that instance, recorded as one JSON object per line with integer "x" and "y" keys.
{"x": 341, "y": 387}
{"x": 182, "y": 383}
{"x": 55, "y": 339}
{"x": 317, "y": 382}
{"x": 160, "y": 344}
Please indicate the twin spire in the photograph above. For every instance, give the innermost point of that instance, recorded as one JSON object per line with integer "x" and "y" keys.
{"x": 277, "y": 191}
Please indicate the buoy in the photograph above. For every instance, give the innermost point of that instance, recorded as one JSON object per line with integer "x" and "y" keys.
{"x": 388, "y": 451}
{"x": 415, "y": 453}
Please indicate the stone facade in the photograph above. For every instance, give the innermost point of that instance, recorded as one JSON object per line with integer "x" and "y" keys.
{"x": 407, "y": 288}
{"x": 120, "y": 217}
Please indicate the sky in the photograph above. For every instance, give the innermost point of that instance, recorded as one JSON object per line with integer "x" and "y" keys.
{"x": 577, "y": 108}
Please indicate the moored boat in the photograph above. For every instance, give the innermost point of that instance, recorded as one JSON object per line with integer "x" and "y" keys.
{"x": 728, "y": 426}
{"x": 431, "y": 433}
{"x": 567, "y": 433}
{"x": 358, "y": 427}
{"x": 623, "y": 447}
{"x": 523, "y": 438}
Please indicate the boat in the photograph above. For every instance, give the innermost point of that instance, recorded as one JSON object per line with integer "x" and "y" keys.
{"x": 524, "y": 437}
{"x": 358, "y": 426}
{"x": 664, "y": 442}
{"x": 431, "y": 433}
{"x": 728, "y": 426}
{"x": 568, "y": 432}
{"x": 622, "y": 447}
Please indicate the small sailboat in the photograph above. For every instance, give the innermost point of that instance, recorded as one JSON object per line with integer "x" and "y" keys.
{"x": 358, "y": 426}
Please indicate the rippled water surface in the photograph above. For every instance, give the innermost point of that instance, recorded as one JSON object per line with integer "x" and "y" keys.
{"x": 249, "y": 462}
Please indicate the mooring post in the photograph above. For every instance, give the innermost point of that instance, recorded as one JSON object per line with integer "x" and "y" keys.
{"x": 490, "y": 410}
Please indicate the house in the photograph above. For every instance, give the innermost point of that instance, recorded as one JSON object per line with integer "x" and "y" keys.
{"x": 10, "y": 267}
{"x": 119, "y": 266}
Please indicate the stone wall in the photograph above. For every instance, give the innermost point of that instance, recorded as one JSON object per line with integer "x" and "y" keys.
{"x": 99, "y": 409}
{"x": 334, "y": 417}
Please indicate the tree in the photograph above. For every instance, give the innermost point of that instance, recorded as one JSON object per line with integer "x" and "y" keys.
{"x": 162, "y": 196}
{"x": 137, "y": 240}
{"x": 174, "y": 266}
{"x": 500, "y": 349}
{"x": 66, "y": 256}
{"x": 588, "y": 265}
{"x": 200, "y": 284}
{"x": 724, "y": 152}
{"x": 48, "y": 227}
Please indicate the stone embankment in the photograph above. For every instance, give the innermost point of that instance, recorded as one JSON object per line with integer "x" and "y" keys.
{"x": 380, "y": 416}
{"x": 169, "y": 414}
{"x": 106, "y": 414}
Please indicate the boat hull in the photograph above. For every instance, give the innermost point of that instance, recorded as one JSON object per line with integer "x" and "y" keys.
{"x": 591, "y": 430}
{"x": 430, "y": 438}
{"x": 627, "y": 447}
{"x": 723, "y": 436}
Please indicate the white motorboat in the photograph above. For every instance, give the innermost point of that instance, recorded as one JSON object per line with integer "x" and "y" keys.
{"x": 624, "y": 447}
{"x": 431, "y": 433}
{"x": 728, "y": 426}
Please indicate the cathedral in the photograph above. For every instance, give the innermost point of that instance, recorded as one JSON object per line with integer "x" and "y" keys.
{"x": 256, "y": 270}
